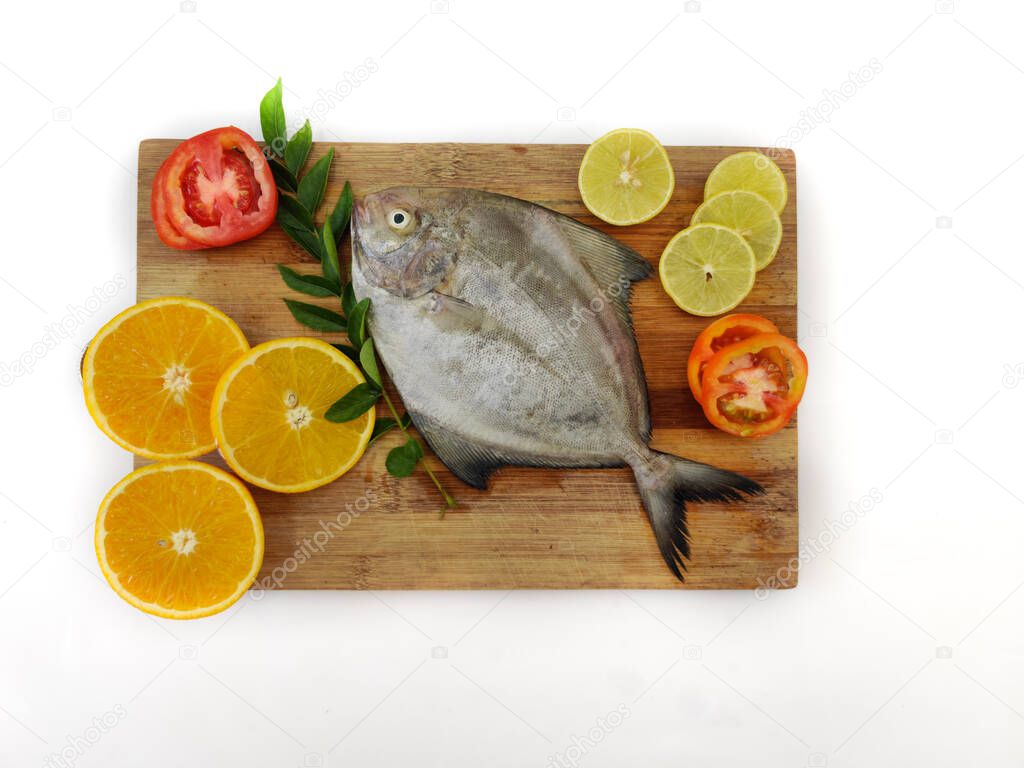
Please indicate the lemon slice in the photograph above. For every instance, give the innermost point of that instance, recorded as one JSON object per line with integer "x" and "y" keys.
{"x": 753, "y": 172}
{"x": 707, "y": 269}
{"x": 750, "y": 216}
{"x": 268, "y": 415}
{"x": 626, "y": 177}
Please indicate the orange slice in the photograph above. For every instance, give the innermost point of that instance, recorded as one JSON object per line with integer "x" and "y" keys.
{"x": 150, "y": 372}
{"x": 268, "y": 415}
{"x": 179, "y": 539}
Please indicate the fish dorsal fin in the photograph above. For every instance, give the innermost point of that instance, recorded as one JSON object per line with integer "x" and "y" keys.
{"x": 615, "y": 266}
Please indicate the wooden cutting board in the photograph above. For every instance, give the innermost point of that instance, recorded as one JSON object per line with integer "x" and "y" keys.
{"x": 533, "y": 528}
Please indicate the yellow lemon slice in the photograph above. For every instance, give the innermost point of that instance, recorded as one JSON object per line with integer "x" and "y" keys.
{"x": 753, "y": 172}
{"x": 707, "y": 269}
{"x": 626, "y": 177}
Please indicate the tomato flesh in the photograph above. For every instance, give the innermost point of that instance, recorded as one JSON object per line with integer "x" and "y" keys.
{"x": 205, "y": 197}
{"x": 752, "y": 388}
{"x": 722, "y": 333}
{"x": 215, "y": 189}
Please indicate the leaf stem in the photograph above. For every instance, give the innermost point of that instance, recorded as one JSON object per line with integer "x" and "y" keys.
{"x": 449, "y": 502}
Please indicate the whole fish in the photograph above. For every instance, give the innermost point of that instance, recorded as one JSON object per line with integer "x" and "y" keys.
{"x": 506, "y": 328}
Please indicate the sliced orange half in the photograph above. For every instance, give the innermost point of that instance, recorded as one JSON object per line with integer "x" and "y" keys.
{"x": 150, "y": 372}
{"x": 268, "y": 415}
{"x": 179, "y": 539}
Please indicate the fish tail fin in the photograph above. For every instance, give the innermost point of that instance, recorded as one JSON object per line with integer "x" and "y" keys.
{"x": 666, "y": 483}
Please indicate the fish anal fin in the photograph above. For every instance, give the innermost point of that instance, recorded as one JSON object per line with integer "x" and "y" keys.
{"x": 467, "y": 461}
{"x": 473, "y": 462}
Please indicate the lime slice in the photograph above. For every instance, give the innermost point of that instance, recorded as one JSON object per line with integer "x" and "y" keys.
{"x": 750, "y": 216}
{"x": 626, "y": 177}
{"x": 707, "y": 269}
{"x": 753, "y": 172}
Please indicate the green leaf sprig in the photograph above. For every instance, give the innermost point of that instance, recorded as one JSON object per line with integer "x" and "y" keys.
{"x": 300, "y": 196}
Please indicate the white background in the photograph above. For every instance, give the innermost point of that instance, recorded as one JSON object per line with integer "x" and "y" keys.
{"x": 904, "y": 639}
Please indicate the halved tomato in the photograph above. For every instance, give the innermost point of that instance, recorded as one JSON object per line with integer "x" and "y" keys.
{"x": 752, "y": 388}
{"x": 721, "y": 333}
{"x": 215, "y": 189}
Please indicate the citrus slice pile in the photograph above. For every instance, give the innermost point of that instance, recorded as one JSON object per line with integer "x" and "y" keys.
{"x": 626, "y": 177}
{"x": 149, "y": 375}
{"x": 173, "y": 378}
{"x": 268, "y": 415}
{"x": 179, "y": 539}
{"x": 707, "y": 269}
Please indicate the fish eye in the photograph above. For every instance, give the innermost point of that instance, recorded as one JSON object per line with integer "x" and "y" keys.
{"x": 399, "y": 219}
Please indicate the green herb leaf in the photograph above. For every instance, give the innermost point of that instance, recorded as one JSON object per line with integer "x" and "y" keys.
{"x": 308, "y": 240}
{"x": 295, "y": 213}
{"x": 312, "y": 285}
{"x": 368, "y": 362}
{"x": 329, "y": 249}
{"x": 350, "y": 352}
{"x": 357, "y": 323}
{"x": 314, "y": 183}
{"x": 348, "y": 299}
{"x": 401, "y": 461}
{"x": 282, "y": 176}
{"x": 385, "y": 425}
{"x": 275, "y": 131}
{"x": 317, "y": 318}
{"x": 297, "y": 150}
{"x": 354, "y": 404}
{"x": 342, "y": 211}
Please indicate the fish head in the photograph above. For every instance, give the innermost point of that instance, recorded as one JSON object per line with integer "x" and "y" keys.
{"x": 401, "y": 241}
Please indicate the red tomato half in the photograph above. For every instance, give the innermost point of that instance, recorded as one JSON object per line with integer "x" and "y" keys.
{"x": 721, "y": 333}
{"x": 215, "y": 189}
{"x": 752, "y": 387}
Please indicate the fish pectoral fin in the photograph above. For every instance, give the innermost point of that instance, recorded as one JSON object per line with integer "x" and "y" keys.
{"x": 454, "y": 314}
{"x": 469, "y": 462}
{"x": 615, "y": 266}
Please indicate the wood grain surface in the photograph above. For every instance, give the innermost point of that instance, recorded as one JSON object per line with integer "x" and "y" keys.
{"x": 533, "y": 528}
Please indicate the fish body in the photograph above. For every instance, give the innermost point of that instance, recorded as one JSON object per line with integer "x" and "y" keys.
{"x": 505, "y": 327}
